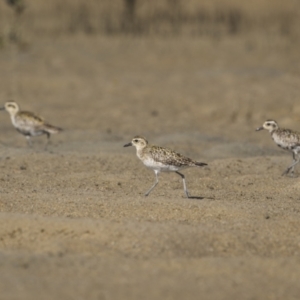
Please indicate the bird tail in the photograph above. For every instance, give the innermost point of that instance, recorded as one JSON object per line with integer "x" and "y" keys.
{"x": 52, "y": 129}
{"x": 200, "y": 164}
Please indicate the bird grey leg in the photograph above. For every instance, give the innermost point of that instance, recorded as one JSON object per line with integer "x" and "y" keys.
{"x": 154, "y": 185}
{"x": 48, "y": 139}
{"x": 29, "y": 140}
{"x": 291, "y": 168}
{"x": 184, "y": 184}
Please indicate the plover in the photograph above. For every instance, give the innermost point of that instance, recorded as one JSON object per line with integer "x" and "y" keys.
{"x": 286, "y": 139}
{"x": 28, "y": 123}
{"x": 161, "y": 159}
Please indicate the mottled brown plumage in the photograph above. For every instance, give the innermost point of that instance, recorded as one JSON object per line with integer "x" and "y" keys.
{"x": 286, "y": 139}
{"x": 161, "y": 159}
{"x": 28, "y": 123}
{"x": 169, "y": 157}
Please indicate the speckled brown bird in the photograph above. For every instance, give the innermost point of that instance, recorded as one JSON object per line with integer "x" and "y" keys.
{"x": 28, "y": 123}
{"x": 161, "y": 159}
{"x": 286, "y": 139}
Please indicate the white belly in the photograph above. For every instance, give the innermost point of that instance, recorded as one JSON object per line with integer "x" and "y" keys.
{"x": 283, "y": 142}
{"x": 279, "y": 141}
{"x": 25, "y": 127}
{"x": 161, "y": 167}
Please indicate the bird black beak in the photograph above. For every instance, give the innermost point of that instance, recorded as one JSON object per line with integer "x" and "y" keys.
{"x": 259, "y": 128}
{"x": 127, "y": 145}
{"x": 2, "y": 108}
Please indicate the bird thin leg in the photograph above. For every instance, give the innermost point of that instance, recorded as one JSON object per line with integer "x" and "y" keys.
{"x": 29, "y": 140}
{"x": 291, "y": 168}
{"x": 184, "y": 184}
{"x": 154, "y": 185}
{"x": 48, "y": 139}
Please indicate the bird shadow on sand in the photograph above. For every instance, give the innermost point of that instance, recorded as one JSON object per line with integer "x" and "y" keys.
{"x": 195, "y": 198}
{"x": 200, "y": 198}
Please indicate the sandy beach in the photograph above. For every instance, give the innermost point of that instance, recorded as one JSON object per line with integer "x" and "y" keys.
{"x": 74, "y": 222}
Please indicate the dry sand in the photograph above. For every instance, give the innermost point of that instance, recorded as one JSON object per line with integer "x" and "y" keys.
{"x": 74, "y": 221}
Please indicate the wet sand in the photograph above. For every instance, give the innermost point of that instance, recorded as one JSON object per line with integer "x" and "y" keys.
{"x": 74, "y": 220}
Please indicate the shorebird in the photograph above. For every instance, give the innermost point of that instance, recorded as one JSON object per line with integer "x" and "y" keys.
{"x": 286, "y": 139}
{"x": 161, "y": 159}
{"x": 28, "y": 123}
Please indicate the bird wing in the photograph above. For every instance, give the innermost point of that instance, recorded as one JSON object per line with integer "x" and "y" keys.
{"x": 292, "y": 136}
{"x": 169, "y": 157}
{"x": 26, "y": 118}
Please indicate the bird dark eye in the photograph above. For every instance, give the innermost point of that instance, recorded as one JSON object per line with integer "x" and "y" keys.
{"x": 136, "y": 141}
{"x": 268, "y": 124}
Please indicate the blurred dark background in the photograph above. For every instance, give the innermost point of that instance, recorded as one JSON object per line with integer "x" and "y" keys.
{"x": 219, "y": 66}
{"x": 214, "y": 18}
